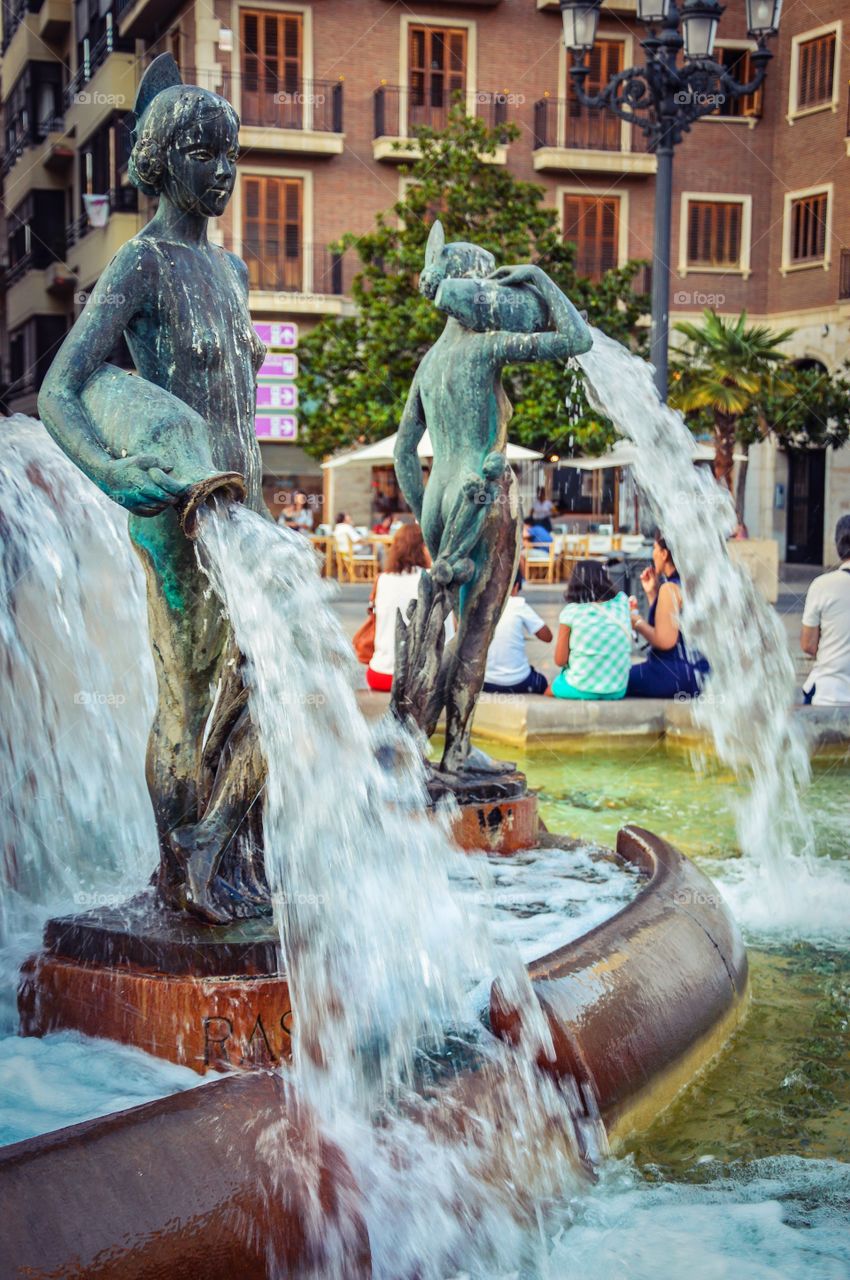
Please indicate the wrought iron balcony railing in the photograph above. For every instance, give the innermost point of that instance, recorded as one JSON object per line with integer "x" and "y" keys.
{"x": 564, "y": 123}
{"x": 267, "y": 101}
{"x": 399, "y": 112}
{"x": 316, "y": 270}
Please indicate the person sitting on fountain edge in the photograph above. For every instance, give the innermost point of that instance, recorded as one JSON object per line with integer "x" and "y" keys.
{"x": 594, "y": 645}
{"x": 825, "y": 634}
{"x": 670, "y": 669}
{"x": 508, "y": 669}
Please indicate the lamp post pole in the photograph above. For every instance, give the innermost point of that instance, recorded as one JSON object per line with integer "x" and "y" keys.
{"x": 663, "y": 98}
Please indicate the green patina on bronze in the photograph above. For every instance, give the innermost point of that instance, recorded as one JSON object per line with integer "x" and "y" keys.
{"x": 160, "y": 443}
{"x": 469, "y": 512}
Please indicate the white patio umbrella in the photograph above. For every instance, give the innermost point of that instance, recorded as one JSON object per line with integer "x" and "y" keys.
{"x": 381, "y": 453}
{"x": 624, "y": 453}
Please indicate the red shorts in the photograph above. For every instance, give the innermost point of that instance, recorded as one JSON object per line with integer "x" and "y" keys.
{"x": 377, "y": 681}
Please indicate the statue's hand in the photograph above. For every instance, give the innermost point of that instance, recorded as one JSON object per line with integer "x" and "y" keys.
{"x": 527, "y": 273}
{"x": 141, "y": 484}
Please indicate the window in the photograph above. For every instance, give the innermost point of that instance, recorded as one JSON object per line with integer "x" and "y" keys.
{"x": 103, "y": 160}
{"x": 272, "y": 241}
{"x": 34, "y": 105}
{"x": 36, "y": 231}
{"x": 738, "y": 62}
{"x": 437, "y": 71}
{"x": 31, "y": 351}
{"x": 272, "y": 69}
{"x": 586, "y": 128}
{"x": 592, "y": 224}
{"x": 808, "y": 228}
{"x": 815, "y": 71}
{"x": 714, "y": 233}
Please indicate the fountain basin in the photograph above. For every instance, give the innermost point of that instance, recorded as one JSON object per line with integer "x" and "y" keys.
{"x": 646, "y": 1000}
{"x": 212, "y": 1182}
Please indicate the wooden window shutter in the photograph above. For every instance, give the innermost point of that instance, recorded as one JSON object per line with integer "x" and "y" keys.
{"x": 815, "y": 71}
{"x": 714, "y": 233}
{"x": 592, "y": 223}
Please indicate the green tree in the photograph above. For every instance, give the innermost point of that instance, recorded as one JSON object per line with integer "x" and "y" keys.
{"x": 355, "y": 370}
{"x": 723, "y": 371}
{"x": 733, "y": 380}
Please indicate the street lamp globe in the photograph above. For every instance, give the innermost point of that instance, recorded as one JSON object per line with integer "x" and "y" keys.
{"x": 763, "y": 18}
{"x": 653, "y": 12}
{"x": 699, "y": 27}
{"x": 580, "y": 18}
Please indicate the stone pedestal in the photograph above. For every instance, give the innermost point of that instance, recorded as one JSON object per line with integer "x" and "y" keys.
{"x": 205, "y": 997}
{"x": 497, "y": 813}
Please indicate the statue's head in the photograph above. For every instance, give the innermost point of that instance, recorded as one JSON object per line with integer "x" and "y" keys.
{"x": 185, "y": 142}
{"x": 458, "y": 260}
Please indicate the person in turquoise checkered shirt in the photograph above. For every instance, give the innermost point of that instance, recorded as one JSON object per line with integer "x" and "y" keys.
{"x": 594, "y": 645}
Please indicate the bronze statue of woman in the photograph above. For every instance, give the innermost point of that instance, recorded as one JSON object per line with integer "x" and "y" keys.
{"x": 182, "y": 305}
{"x": 469, "y": 512}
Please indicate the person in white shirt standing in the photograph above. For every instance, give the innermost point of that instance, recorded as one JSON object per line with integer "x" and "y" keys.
{"x": 826, "y": 629}
{"x": 508, "y": 669}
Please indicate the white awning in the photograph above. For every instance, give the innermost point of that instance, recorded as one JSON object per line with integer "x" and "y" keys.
{"x": 381, "y": 453}
{"x": 624, "y": 453}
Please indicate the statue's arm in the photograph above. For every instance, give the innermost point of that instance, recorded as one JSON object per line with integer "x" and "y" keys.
{"x": 408, "y": 468}
{"x": 140, "y": 483}
{"x": 571, "y": 336}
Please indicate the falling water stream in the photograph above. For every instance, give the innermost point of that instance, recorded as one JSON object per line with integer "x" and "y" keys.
{"x": 747, "y": 703}
{"x": 385, "y": 961}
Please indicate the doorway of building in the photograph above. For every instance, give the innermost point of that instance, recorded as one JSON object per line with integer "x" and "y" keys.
{"x": 806, "y": 484}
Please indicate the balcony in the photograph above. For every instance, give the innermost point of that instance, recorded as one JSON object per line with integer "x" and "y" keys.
{"x": 50, "y": 152}
{"x": 91, "y": 248}
{"x": 399, "y": 112}
{"x": 302, "y": 116}
{"x": 570, "y": 137}
{"x": 145, "y": 19}
{"x": 317, "y": 281}
{"x": 103, "y": 84}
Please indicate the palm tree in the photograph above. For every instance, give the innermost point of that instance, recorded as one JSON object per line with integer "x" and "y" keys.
{"x": 727, "y": 366}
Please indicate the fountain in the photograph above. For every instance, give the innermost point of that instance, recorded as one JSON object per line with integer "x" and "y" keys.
{"x": 435, "y": 1096}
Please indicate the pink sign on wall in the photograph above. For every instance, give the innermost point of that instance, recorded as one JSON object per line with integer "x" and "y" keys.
{"x": 279, "y": 364}
{"x": 276, "y": 426}
{"x": 277, "y": 395}
{"x": 277, "y": 333}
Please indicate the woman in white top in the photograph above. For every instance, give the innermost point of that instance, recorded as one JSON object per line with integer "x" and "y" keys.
{"x": 394, "y": 590}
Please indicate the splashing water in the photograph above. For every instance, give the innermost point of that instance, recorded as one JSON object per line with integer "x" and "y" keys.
{"x": 382, "y": 957}
{"x": 78, "y": 687}
{"x": 747, "y": 703}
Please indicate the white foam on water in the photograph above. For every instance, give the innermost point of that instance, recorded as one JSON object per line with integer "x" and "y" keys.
{"x": 783, "y": 1218}
{"x": 746, "y": 703}
{"x": 65, "y": 1078}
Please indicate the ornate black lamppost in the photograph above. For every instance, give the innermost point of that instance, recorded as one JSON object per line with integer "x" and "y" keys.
{"x": 664, "y": 98}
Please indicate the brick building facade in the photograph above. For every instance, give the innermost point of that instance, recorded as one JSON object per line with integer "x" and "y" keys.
{"x": 327, "y": 88}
